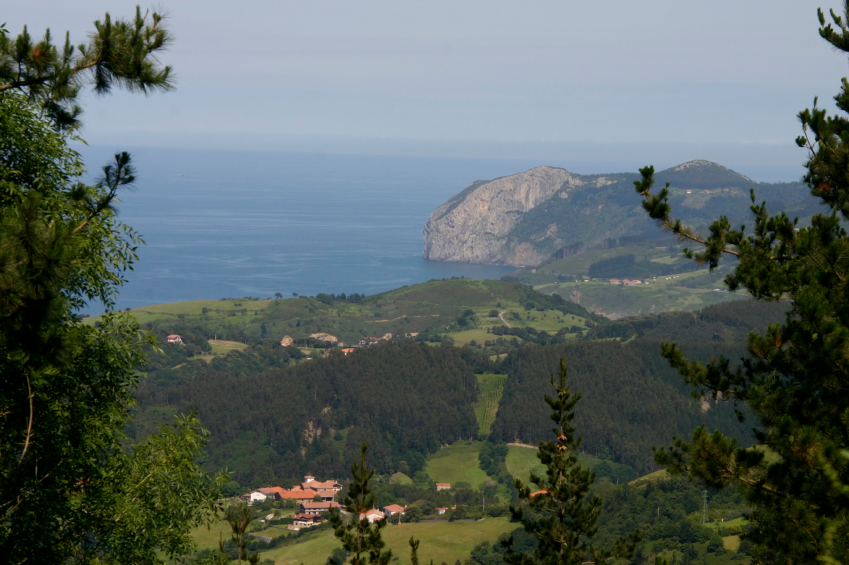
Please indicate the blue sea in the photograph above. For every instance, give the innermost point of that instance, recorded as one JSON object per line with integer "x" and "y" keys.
{"x": 234, "y": 224}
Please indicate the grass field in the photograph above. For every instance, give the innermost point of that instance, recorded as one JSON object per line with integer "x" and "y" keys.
{"x": 521, "y": 461}
{"x": 207, "y": 538}
{"x": 400, "y": 479}
{"x": 439, "y": 541}
{"x": 731, "y": 543}
{"x": 176, "y": 310}
{"x": 491, "y": 388}
{"x": 686, "y": 291}
{"x": 457, "y": 463}
{"x": 222, "y": 346}
{"x": 433, "y": 306}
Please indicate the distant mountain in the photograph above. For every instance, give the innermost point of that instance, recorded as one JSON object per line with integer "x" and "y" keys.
{"x": 527, "y": 218}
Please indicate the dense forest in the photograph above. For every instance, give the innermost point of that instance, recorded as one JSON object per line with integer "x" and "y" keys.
{"x": 275, "y": 416}
{"x": 275, "y": 425}
{"x": 632, "y": 399}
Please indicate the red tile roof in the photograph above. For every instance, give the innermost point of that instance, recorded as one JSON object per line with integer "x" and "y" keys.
{"x": 299, "y": 494}
{"x": 270, "y": 491}
{"x": 394, "y": 508}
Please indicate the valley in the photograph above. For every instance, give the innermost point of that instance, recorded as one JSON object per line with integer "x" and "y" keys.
{"x": 452, "y": 396}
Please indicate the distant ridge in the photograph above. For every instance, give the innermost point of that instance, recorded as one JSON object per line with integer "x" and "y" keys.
{"x": 703, "y": 174}
{"x": 526, "y": 218}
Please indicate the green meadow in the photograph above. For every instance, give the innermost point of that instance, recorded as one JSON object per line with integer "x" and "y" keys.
{"x": 457, "y": 463}
{"x": 442, "y": 542}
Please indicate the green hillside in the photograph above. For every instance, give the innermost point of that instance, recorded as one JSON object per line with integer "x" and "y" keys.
{"x": 460, "y": 308}
{"x": 668, "y": 281}
{"x": 442, "y": 542}
{"x": 491, "y": 387}
{"x": 457, "y": 463}
{"x": 590, "y": 216}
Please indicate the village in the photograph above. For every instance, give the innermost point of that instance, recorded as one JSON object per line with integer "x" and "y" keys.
{"x": 314, "y": 499}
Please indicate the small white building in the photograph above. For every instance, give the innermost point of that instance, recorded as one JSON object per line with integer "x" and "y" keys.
{"x": 373, "y": 515}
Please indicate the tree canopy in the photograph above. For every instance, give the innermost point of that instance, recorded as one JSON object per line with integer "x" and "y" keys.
{"x": 70, "y": 487}
{"x": 795, "y": 380}
{"x": 561, "y": 515}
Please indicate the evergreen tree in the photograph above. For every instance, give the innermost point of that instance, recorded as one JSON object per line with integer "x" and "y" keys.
{"x": 119, "y": 52}
{"x": 360, "y": 539}
{"x": 239, "y": 518}
{"x": 70, "y": 489}
{"x": 795, "y": 380}
{"x": 561, "y": 515}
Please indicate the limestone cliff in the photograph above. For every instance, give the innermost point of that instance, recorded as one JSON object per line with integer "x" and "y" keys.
{"x": 546, "y": 212}
{"x": 473, "y": 226}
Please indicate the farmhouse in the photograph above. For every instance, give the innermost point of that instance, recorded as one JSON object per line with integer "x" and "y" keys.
{"x": 300, "y": 494}
{"x": 443, "y": 486}
{"x": 373, "y": 515}
{"x": 275, "y": 493}
{"x": 174, "y": 338}
{"x": 310, "y": 482}
{"x": 318, "y": 507}
{"x": 393, "y": 509}
{"x": 615, "y": 281}
{"x": 301, "y": 521}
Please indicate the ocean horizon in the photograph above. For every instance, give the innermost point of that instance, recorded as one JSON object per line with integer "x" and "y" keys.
{"x": 234, "y": 224}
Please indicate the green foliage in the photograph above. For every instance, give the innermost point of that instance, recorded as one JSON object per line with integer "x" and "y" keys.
{"x": 561, "y": 515}
{"x": 360, "y": 539}
{"x": 594, "y": 217}
{"x": 632, "y": 399}
{"x": 119, "y": 52}
{"x": 70, "y": 488}
{"x": 239, "y": 517}
{"x": 408, "y": 399}
{"x": 794, "y": 382}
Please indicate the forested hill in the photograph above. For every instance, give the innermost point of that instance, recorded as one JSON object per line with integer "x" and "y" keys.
{"x": 632, "y": 400}
{"x": 274, "y": 419}
{"x": 406, "y": 400}
{"x": 728, "y": 322}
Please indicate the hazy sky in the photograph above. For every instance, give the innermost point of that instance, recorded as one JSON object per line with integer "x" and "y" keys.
{"x": 489, "y": 74}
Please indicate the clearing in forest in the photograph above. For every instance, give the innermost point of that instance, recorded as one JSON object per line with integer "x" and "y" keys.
{"x": 490, "y": 387}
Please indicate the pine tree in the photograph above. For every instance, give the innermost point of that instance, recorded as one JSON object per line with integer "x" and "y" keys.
{"x": 795, "y": 380}
{"x": 70, "y": 489}
{"x": 360, "y": 539}
{"x": 119, "y": 52}
{"x": 561, "y": 514}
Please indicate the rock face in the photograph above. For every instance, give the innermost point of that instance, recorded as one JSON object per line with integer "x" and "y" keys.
{"x": 473, "y": 226}
{"x": 529, "y": 218}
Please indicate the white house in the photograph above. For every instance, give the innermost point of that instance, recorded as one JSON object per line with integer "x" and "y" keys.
{"x": 373, "y": 515}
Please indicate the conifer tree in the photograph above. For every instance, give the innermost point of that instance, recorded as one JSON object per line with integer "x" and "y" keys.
{"x": 560, "y": 514}
{"x": 796, "y": 380}
{"x": 70, "y": 489}
{"x": 119, "y": 52}
{"x": 360, "y": 539}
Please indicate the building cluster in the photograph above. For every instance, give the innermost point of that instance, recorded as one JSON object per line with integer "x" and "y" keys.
{"x": 625, "y": 282}
{"x": 311, "y": 511}
{"x": 307, "y": 491}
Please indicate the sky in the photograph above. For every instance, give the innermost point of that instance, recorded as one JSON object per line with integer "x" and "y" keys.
{"x": 600, "y": 81}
